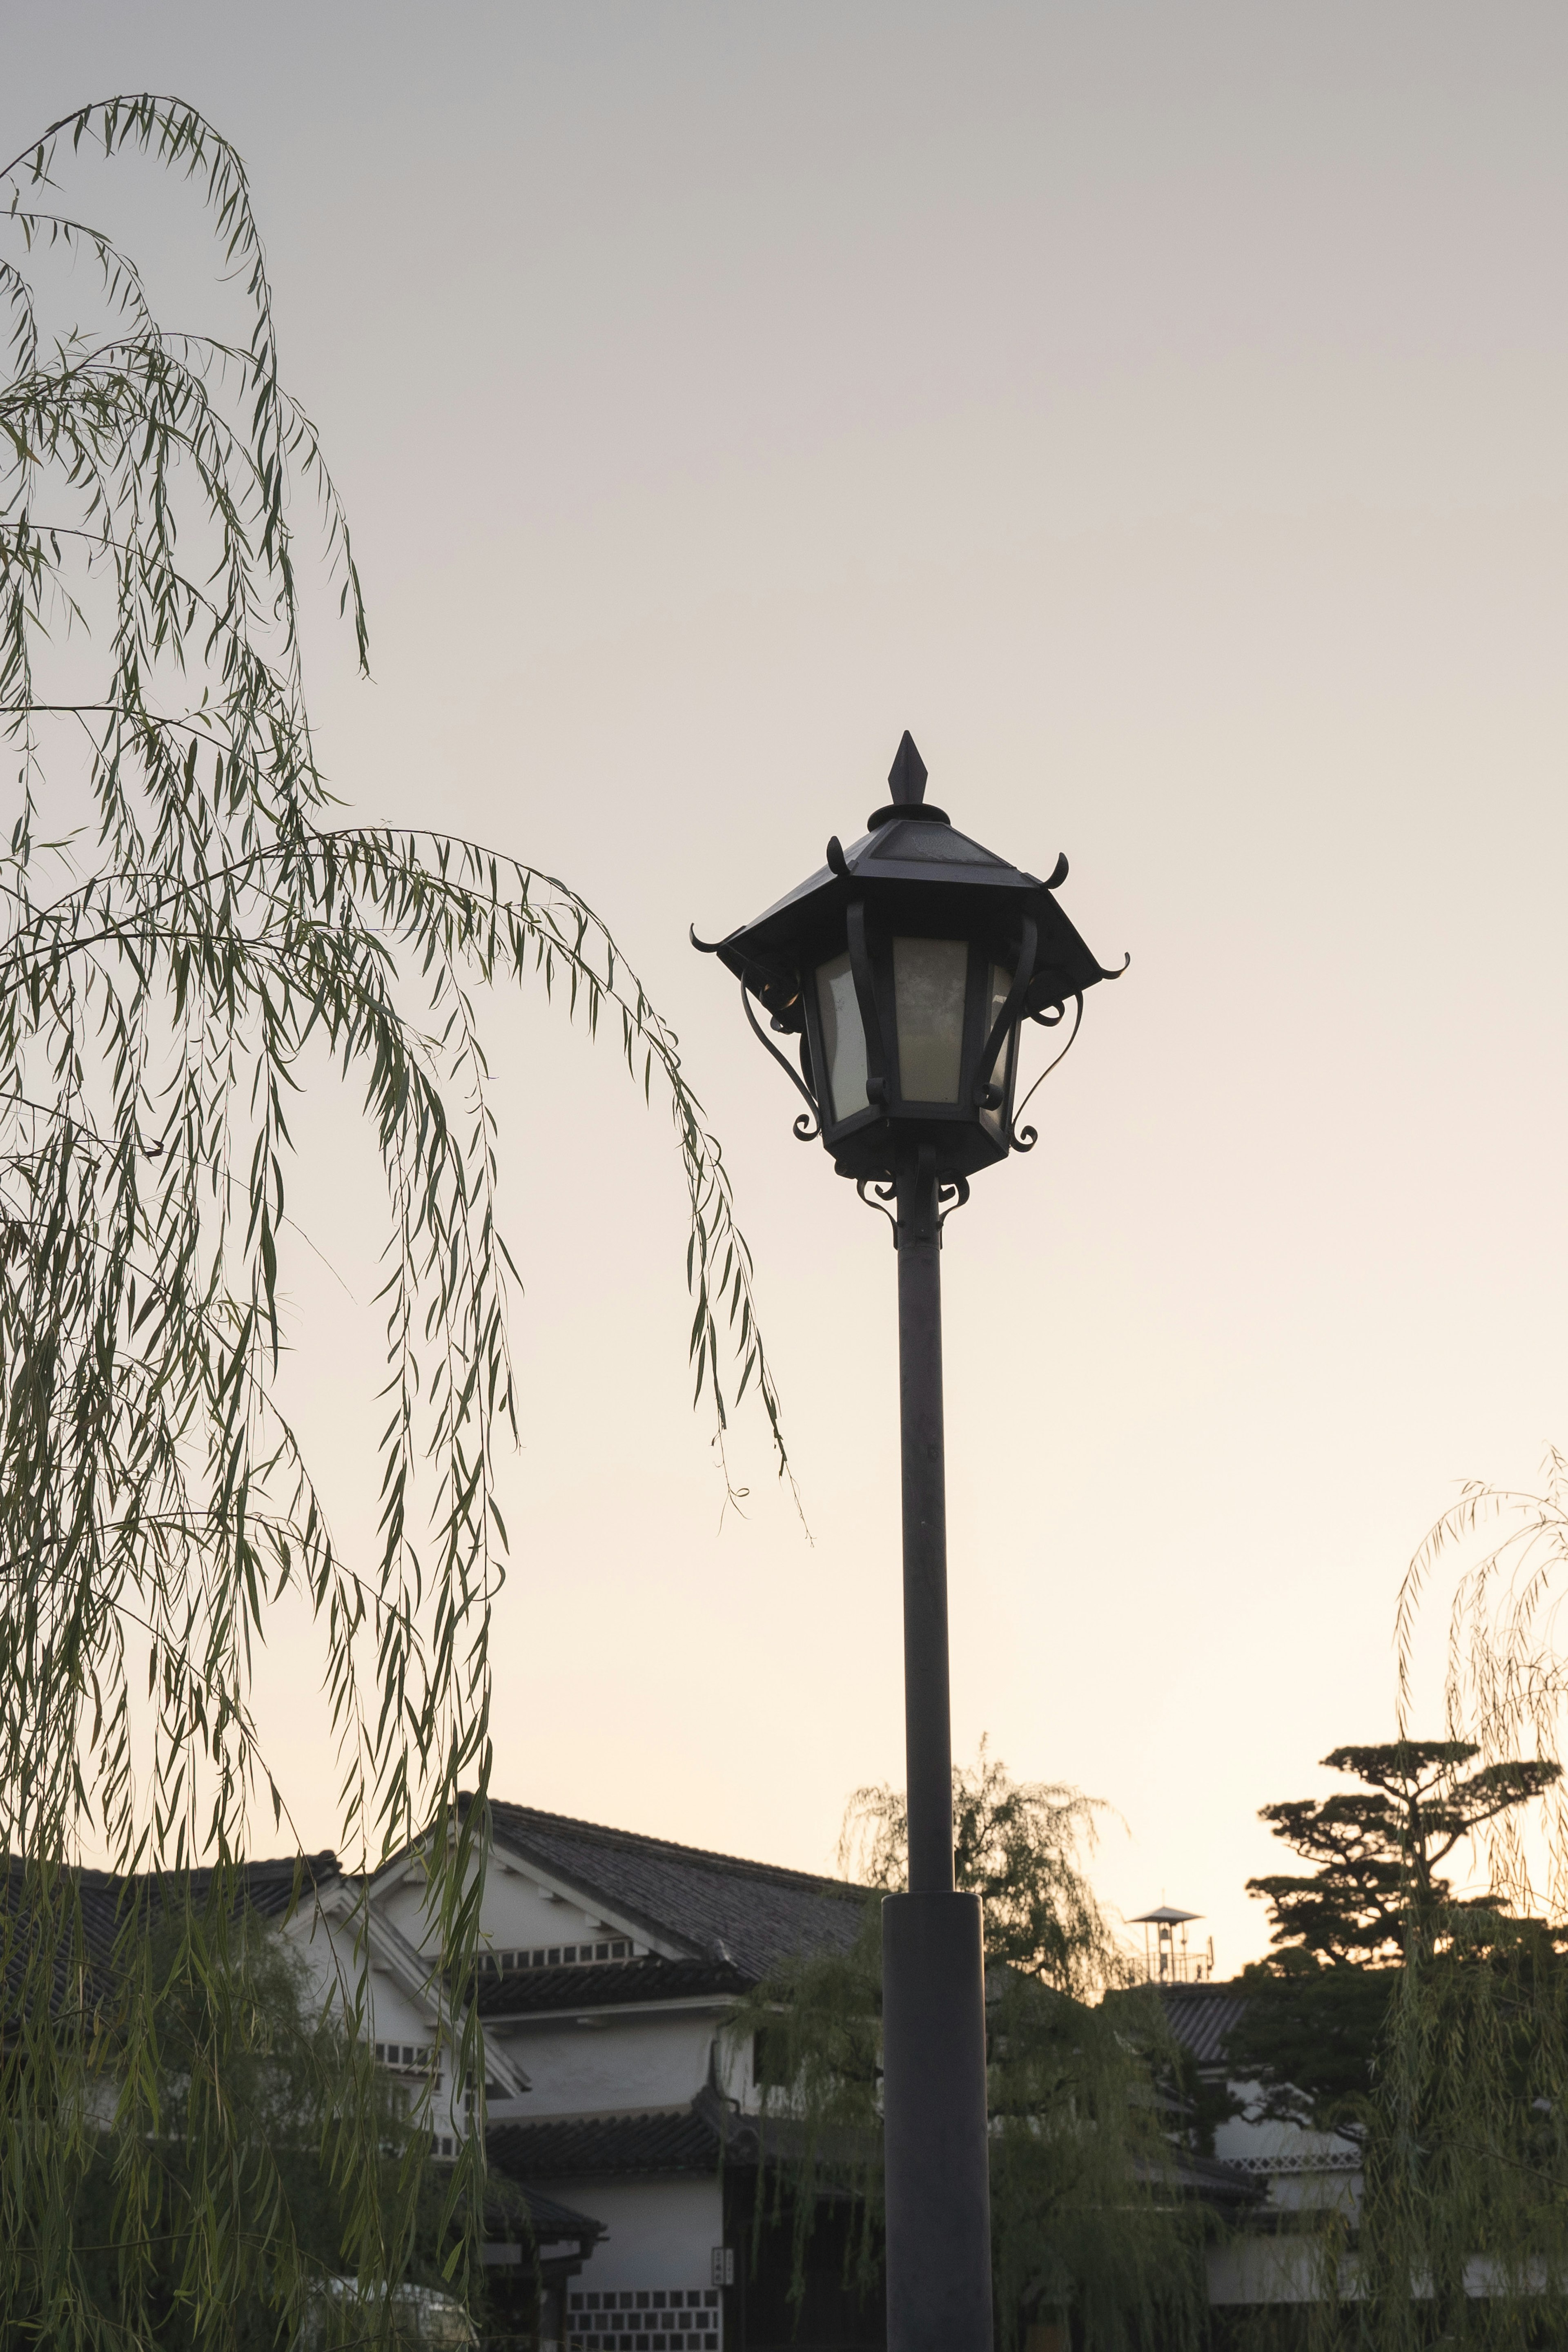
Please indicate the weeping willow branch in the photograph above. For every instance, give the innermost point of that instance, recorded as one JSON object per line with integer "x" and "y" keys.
{"x": 1089, "y": 2230}
{"x": 189, "y": 935}
{"x": 1506, "y": 1679}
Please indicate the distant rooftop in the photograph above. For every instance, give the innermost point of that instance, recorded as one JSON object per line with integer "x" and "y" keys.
{"x": 1203, "y": 2017}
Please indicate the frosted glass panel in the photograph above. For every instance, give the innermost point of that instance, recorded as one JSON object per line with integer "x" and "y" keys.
{"x": 928, "y": 978}
{"x": 843, "y": 1038}
{"x": 996, "y": 997}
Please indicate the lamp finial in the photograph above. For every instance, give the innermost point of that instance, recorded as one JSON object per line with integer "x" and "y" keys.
{"x": 906, "y": 777}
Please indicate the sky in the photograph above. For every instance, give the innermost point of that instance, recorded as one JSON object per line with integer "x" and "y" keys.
{"x": 1160, "y": 413}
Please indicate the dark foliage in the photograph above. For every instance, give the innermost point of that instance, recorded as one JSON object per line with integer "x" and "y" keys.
{"x": 1379, "y": 1849}
{"x": 1091, "y": 2225}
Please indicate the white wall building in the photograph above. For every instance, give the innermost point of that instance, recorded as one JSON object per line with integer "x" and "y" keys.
{"x": 611, "y": 1963}
{"x": 1298, "y": 2171}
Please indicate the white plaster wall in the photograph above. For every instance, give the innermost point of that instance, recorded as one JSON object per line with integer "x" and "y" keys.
{"x": 517, "y": 1914}
{"x": 1302, "y": 2184}
{"x": 1263, "y": 2270}
{"x": 735, "y": 2075}
{"x": 333, "y": 1963}
{"x": 614, "y": 2064}
{"x": 662, "y": 2232}
{"x": 1238, "y": 2136}
{"x": 404, "y": 1907}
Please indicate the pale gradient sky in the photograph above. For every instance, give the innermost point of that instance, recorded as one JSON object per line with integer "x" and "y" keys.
{"x": 1161, "y": 413}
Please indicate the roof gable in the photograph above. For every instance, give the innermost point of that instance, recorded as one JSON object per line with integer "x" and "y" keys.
{"x": 715, "y": 1907}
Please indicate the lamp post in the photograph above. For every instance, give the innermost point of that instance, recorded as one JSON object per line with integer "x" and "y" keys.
{"x": 904, "y": 969}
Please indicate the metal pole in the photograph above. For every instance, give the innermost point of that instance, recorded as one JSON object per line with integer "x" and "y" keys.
{"x": 934, "y": 2012}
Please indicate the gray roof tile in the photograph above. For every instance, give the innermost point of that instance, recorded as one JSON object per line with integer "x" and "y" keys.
{"x": 1202, "y": 2017}
{"x": 751, "y": 1913}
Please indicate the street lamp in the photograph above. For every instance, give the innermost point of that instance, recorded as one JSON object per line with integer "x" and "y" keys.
{"x": 906, "y": 968}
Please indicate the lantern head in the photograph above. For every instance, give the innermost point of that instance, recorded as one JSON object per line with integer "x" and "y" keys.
{"x": 904, "y": 968}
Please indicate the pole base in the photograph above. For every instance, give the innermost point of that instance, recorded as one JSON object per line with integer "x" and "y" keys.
{"x": 933, "y": 2089}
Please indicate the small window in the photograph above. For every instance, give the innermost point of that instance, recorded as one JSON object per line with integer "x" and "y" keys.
{"x": 554, "y": 1960}
{"x": 570, "y": 1953}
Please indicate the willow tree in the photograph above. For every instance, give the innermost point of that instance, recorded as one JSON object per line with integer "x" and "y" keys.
{"x": 190, "y": 937}
{"x": 1464, "y": 2220}
{"x": 1093, "y": 2231}
{"x": 1451, "y": 2009}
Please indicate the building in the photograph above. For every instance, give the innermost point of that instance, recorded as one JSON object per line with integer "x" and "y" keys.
{"x": 622, "y": 2104}
{"x": 611, "y": 1963}
{"x": 1299, "y": 2172}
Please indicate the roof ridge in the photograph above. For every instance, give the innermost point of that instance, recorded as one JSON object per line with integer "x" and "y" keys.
{"x": 778, "y": 1871}
{"x": 92, "y": 1873}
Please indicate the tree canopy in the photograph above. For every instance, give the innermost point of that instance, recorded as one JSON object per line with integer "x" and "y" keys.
{"x": 1379, "y": 1849}
{"x": 1320, "y": 2005}
{"x": 193, "y": 935}
{"x": 1090, "y": 2223}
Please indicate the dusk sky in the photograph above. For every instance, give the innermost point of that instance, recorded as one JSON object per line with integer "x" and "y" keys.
{"x": 1160, "y": 413}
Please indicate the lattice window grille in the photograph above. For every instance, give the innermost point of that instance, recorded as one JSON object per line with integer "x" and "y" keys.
{"x": 407, "y": 2057}
{"x": 557, "y": 1955}
{"x": 644, "y": 2319}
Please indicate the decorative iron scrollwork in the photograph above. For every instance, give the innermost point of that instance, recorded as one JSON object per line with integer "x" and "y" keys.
{"x": 953, "y": 1191}
{"x": 884, "y": 1193}
{"x": 807, "y": 1122}
{"x": 956, "y": 1192}
{"x": 1024, "y": 1139}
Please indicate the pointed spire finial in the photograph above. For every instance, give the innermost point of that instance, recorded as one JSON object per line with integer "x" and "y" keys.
{"x": 906, "y": 777}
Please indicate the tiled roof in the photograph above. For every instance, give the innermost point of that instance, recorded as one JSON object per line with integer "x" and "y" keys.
{"x": 692, "y": 2139}
{"x": 582, "y": 2148}
{"x": 657, "y": 2140}
{"x": 1201, "y": 2017}
{"x": 532, "y": 1993}
{"x": 751, "y": 1913}
{"x": 268, "y": 1889}
{"x": 551, "y": 2220}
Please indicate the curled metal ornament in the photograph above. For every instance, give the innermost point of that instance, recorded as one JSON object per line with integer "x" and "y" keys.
{"x": 1024, "y": 1139}
{"x": 954, "y": 1191}
{"x": 807, "y": 1122}
{"x": 884, "y": 1193}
